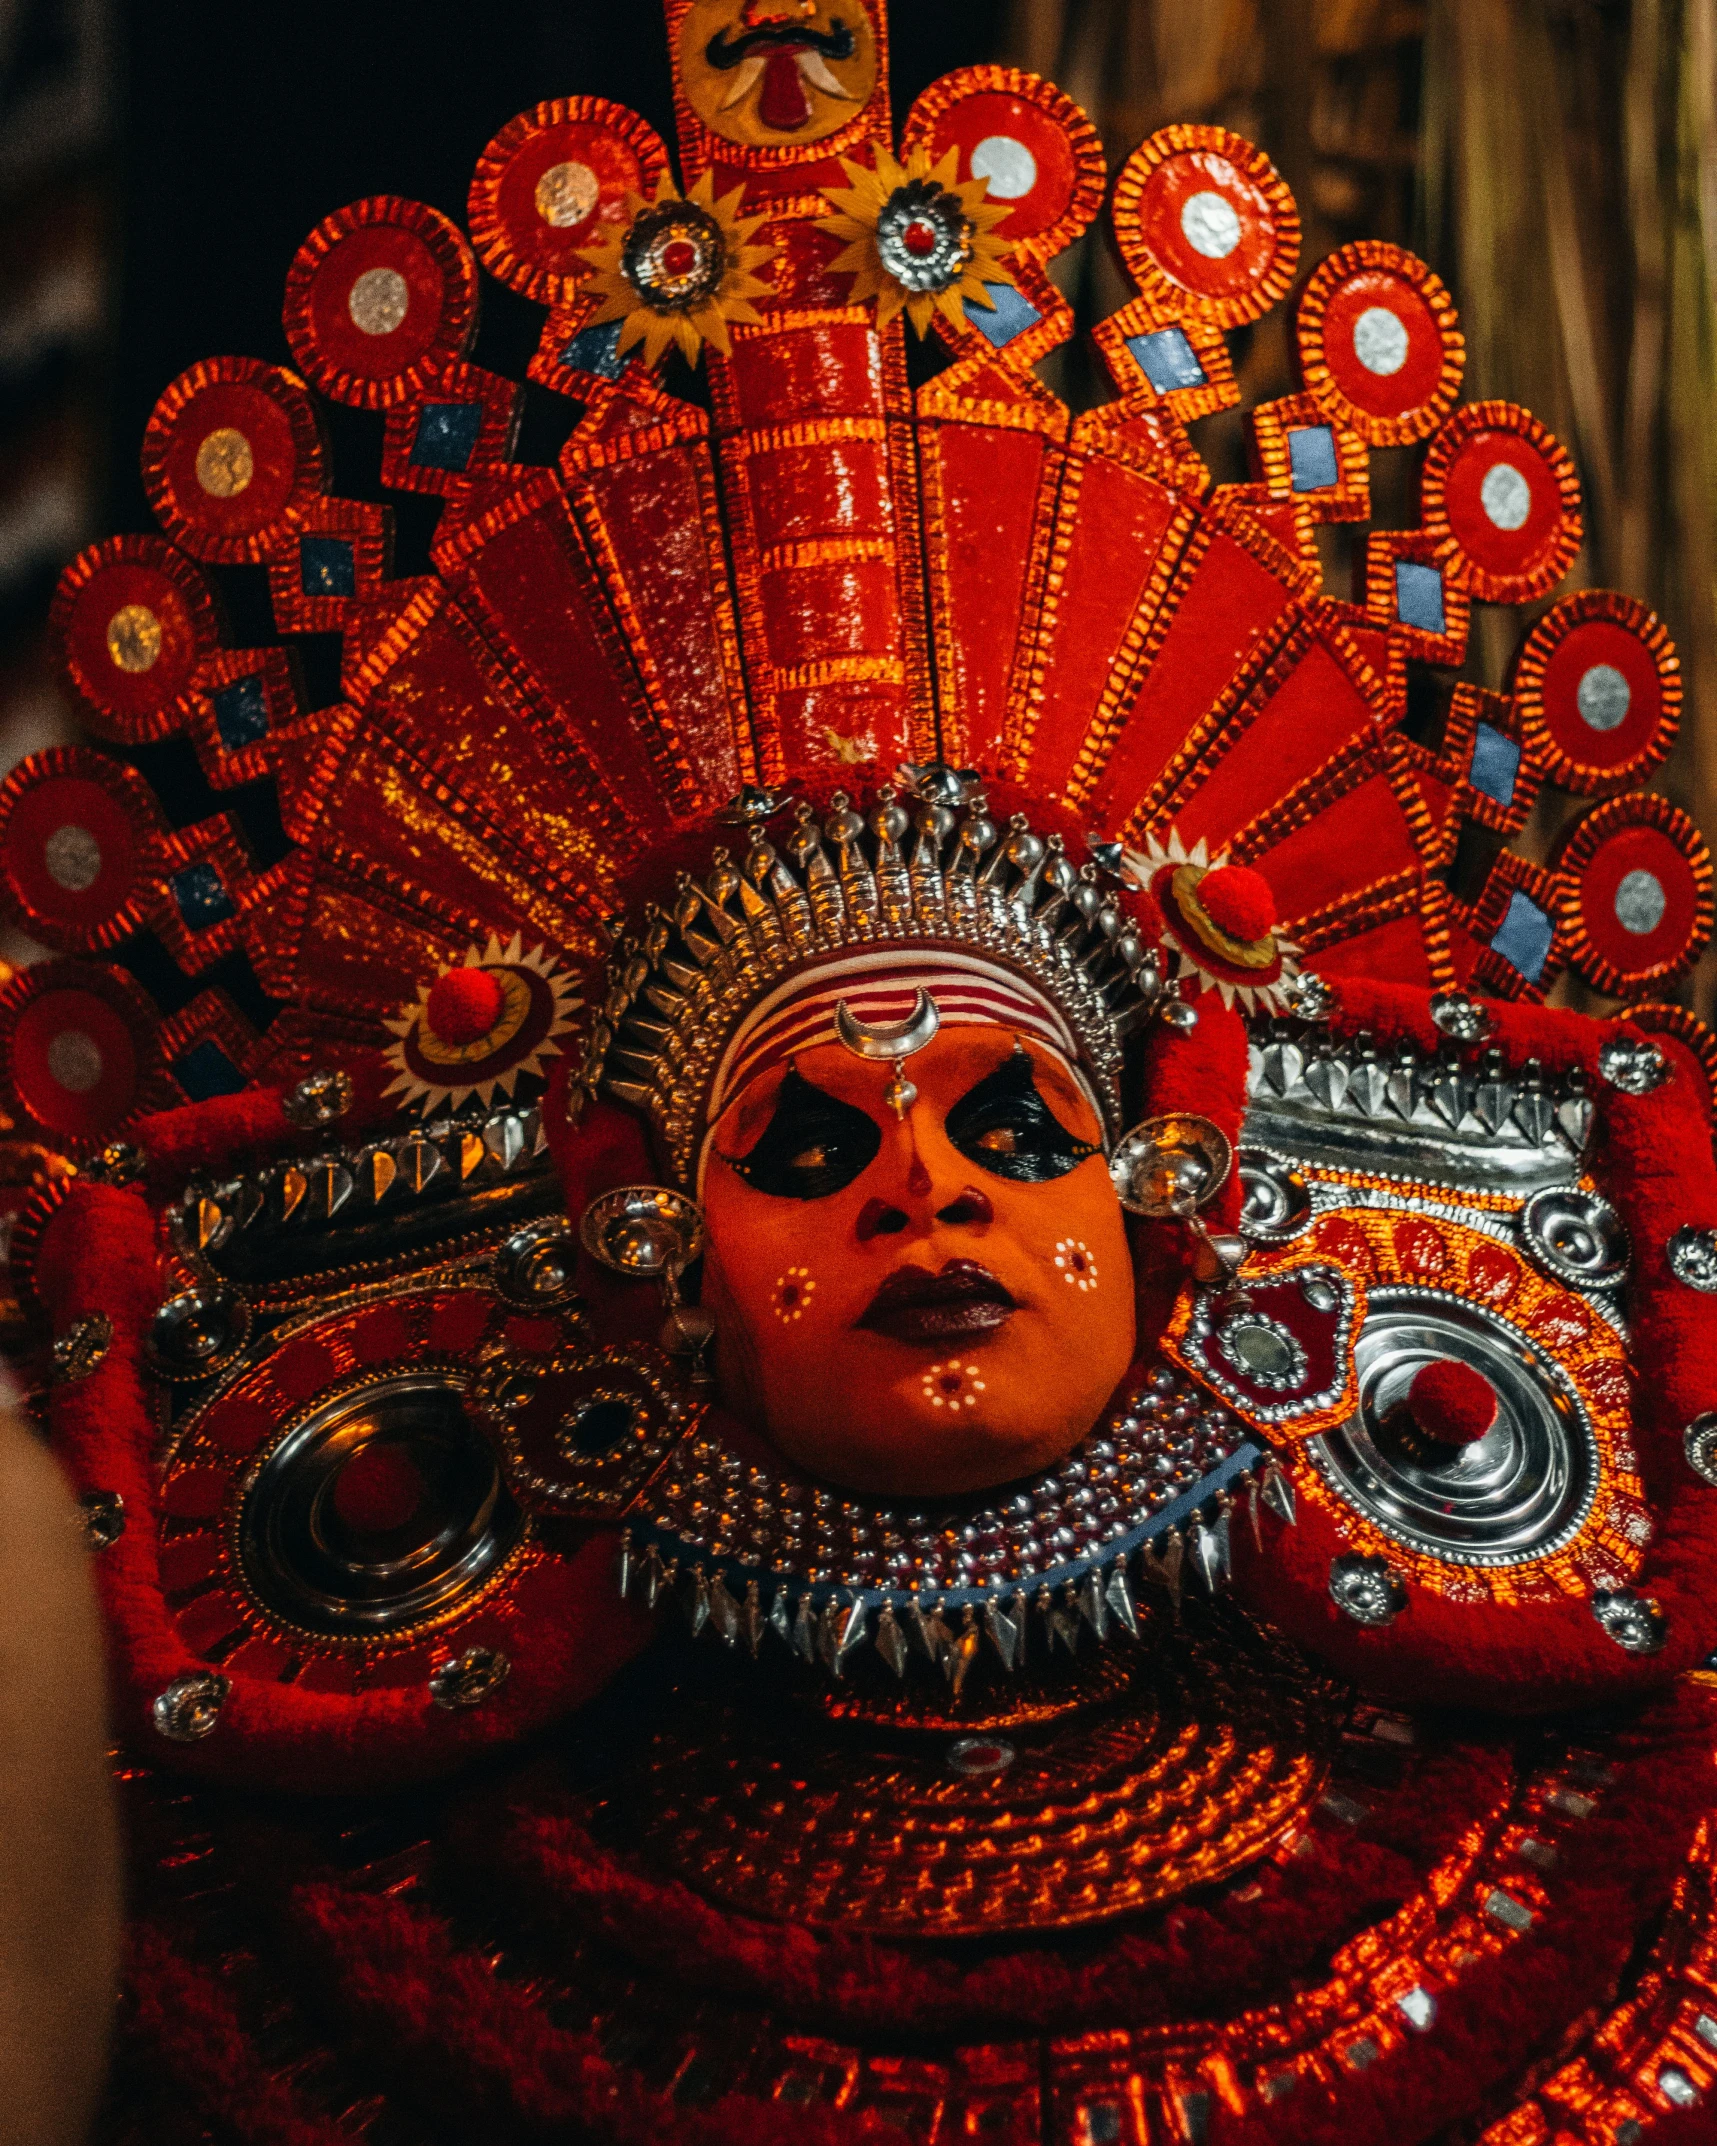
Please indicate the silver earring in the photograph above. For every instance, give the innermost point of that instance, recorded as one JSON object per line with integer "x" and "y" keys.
{"x": 650, "y": 1233}
{"x": 892, "y": 1042}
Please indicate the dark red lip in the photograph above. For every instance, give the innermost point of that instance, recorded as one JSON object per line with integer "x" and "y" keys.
{"x": 963, "y": 1301}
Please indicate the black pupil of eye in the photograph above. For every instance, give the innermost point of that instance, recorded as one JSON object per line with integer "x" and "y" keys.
{"x": 813, "y": 1145}
{"x": 1005, "y": 1126}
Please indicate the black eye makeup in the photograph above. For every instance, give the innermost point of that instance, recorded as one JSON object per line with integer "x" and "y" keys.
{"x": 813, "y": 1145}
{"x": 1005, "y": 1126}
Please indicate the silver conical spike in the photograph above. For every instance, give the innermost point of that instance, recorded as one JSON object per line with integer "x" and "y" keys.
{"x": 964, "y": 1652}
{"x": 890, "y": 1639}
{"x": 805, "y": 1631}
{"x": 1119, "y": 1597}
{"x": 751, "y": 1619}
{"x": 1063, "y": 1625}
{"x": 655, "y": 1576}
{"x": 625, "y": 1562}
{"x": 1165, "y": 1563}
{"x": 1004, "y": 1633}
{"x": 1278, "y": 1495}
{"x": 850, "y": 1633}
{"x": 697, "y": 1604}
{"x": 723, "y": 1611}
{"x": 1092, "y": 1606}
{"x": 828, "y": 1636}
{"x": 781, "y": 1617}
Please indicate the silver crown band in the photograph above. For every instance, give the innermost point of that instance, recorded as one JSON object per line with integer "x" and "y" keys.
{"x": 910, "y": 869}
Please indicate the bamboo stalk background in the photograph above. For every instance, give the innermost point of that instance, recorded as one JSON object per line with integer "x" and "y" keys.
{"x": 1556, "y": 162}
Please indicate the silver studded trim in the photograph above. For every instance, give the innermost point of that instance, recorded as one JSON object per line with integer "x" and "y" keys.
{"x": 1427, "y": 1117}
{"x": 537, "y": 1264}
{"x": 1460, "y": 1018}
{"x": 1635, "y": 1622}
{"x": 218, "y": 1222}
{"x": 1275, "y": 1200}
{"x": 319, "y": 1099}
{"x": 103, "y": 1515}
{"x": 189, "y": 1708}
{"x": 1576, "y": 1237}
{"x": 469, "y": 1678}
{"x": 1699, "y": 1443}
{"x": 1692, "y": 1255}
{"x": 1367, "y": 1589}
{"x": 198, "y": 1333}
{"x": 1633, "y": 1063}
{"x": 80, "y": 1348}
{"x": 1145, "y": 1502}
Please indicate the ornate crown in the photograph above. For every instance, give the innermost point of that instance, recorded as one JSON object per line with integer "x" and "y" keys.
{"x": 827, "y": 565}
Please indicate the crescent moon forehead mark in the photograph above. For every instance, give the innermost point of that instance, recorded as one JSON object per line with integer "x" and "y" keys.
{"x": 889, "y": 1039}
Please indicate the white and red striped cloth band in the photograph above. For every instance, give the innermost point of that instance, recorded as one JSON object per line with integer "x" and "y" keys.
{"x": 881, "y": 986}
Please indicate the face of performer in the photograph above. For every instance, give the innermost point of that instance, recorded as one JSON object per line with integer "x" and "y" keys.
{"x": 922, "y": 1305}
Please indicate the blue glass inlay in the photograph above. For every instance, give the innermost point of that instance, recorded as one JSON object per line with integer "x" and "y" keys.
{"x": 596, "y": 350}
{"x": 241, "y": 713}
{"x": 205, "y": 1070}
{"x": 1012, "y": 314}
{"x": 1166, "y": 359}
{"x": 1523, "y": 937}
{"x": 446, "y": 435}
{"x": 201, "y": 898}
{"x": 327, "y": 566}
{"x": 1419, "y": 596}
{"x": 1496, "y": 762}
{"x": 1311, "y": 459}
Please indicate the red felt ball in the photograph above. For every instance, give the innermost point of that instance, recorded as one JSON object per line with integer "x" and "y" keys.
{"x": 1238, "y": 901}
{"x": 919, "y": 238}
{"x": 1451, "y": 1402}
{"x": 464, "y": 1005}
{"x": 378, "y": 1490}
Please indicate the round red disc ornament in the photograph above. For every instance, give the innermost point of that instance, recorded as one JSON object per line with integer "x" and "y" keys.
{"x": 1598, "y": 685}
{"x": 1638, "y": 906}
{"x": 133, "y": 619}
{"x": 1451, "y": 1402}
{"x": 1379, "y": 343}
{"x": 1500, "y": 495}
{"x": 553, "y": 182}
{"x": 231, "y": 449}
{"x": 379, "y": 298}
{"x": 1206, "y": 224}
{"x": 1039, "y": 156}
{"x": 77, "y": 1041}
{"x": 76, "y": 832}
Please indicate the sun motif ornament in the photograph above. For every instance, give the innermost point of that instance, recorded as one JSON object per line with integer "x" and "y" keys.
{"x": 480, "y": 1025}
{"x": 1218, "y": 919}
{"x": 920, "y": 242}
{"x": 679, "y": 271}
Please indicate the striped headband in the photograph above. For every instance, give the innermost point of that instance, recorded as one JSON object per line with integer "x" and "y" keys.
{"x": 881, "y": 986}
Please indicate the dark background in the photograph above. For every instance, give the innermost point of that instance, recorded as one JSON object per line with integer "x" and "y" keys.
{"x": 241, "y": 125}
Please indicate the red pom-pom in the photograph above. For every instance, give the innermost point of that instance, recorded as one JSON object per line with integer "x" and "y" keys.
{"x": 378, "y": 1490}
{"x": 1451, "y": 1402}
{"x": 464, "y": 1005}
{"x": 1238, "y": 901}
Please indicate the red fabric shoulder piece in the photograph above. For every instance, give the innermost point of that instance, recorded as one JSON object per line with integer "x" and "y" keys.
{"x": 1616, "y": 1596}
